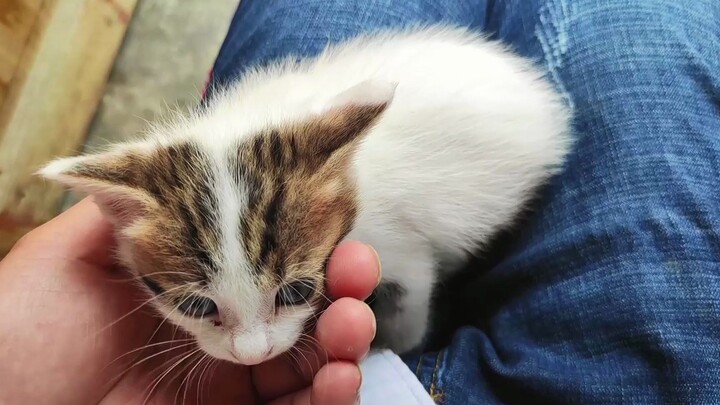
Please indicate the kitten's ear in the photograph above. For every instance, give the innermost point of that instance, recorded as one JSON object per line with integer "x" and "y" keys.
{"x": 370, "y": 93}
{"x": 347, "y": 116}
{"x": 113, "y": 179}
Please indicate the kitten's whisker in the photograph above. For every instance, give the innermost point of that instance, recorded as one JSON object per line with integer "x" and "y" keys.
{"x": 307, "y": 361}
{"x": 189, "y": 378}
{"x": 135, "y": 310}
{"x": 294, "y": 253}
{"x": 145, "y": 359}
{"x": 316, "y": 343}
{"x": 113, "y": 381}
{"x": 164, "y": 374}
{"x": 295, "y": 361}
{"x": 293, "y": 266}
{"x": 321, "y": 355}
{"x": 301, "y": 351}
{"x": 315, "y": 347}
{"x": 198, "y": 394}
{"x": 157, "y": 329}
{"x": 184, "y": 298}
{"x": 147, "y": 346}
{"x": 169, "y": 314}
{"x": 162, "y": 366}
{"x": 138, "y": 277}
{"x": 214, "y": 370}
{"x": 178, "y": 374}
{"x": 319, "y": 291}
{"x": 295, "y": 353}
{"x": 172, "y": 340}
{"x": 314, "y": 314}
{"x": 186, "y": 342}
{"x": 185, "y": 380}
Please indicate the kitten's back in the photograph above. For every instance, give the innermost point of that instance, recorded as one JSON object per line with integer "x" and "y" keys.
{"x": 471, "y": 132}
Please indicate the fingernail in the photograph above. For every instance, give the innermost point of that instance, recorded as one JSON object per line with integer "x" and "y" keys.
{"x": 357, "y": 394}
{"x": 359, "y": 385}
{"x": 374, "y": 323}
{"x": 377, "y": 257}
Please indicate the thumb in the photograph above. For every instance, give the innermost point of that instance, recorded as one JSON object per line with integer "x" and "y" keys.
{"x": 79, "y": 234}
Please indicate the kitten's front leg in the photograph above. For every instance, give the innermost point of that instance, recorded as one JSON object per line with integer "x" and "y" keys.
{"x": 401, "y": 304}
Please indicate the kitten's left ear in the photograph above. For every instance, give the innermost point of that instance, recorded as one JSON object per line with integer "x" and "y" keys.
{"x": 346, "y": 117}
{"x": 368, "y": 93}
{"x": 114, "y": 179}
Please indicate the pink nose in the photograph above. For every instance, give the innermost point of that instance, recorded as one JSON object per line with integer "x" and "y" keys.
{"x": 252, "y": 345}
{"x": 251, "y": 359}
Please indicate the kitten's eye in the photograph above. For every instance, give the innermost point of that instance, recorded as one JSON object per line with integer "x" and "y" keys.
{"x": 197, "y": 306}
{"x": 295, "y": 293}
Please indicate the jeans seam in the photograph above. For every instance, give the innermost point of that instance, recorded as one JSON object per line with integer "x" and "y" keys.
{"x": 436, "y": 394}
{"x": 417, "y": 369}
{"x": 553, "y": 22}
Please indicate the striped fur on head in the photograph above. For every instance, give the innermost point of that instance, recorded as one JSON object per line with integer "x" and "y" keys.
{"x": 235, "y": 224}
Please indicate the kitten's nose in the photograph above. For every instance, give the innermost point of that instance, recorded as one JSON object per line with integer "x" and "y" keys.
{"x": 248, "y": 359}
{"x": 251, "y": 346}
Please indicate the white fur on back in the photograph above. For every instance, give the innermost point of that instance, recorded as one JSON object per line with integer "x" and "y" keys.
{"x": 470, "y": 131}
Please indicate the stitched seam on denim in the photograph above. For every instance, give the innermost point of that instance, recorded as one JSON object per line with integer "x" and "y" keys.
{"x": 417, "y": 369}
{"x": 552, "y": 34}
{"x": 443, "y": 363}
{"x": 435, "y": 393}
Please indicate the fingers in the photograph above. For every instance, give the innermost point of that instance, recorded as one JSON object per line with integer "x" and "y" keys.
{"x": 337, "y": 383}
{"x": 346, "y": 329}
{"x": 353, "y": 271}
{"x": 80, "y": 233}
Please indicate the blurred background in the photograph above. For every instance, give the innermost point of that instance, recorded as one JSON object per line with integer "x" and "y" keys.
{"x": 78, "y": 74}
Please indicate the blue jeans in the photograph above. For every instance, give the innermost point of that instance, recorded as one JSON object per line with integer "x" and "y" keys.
{"x": 609, "y": 292}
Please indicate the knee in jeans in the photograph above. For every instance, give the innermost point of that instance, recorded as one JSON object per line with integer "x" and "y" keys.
{"x": 602, "y": 46}
{"x": 599, "y": 29}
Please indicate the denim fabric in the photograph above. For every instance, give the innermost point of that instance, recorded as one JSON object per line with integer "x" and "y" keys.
{"x": 609, "y": 292}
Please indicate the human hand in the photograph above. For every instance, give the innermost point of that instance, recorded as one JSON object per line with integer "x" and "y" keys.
{"x": 71, "y": 331}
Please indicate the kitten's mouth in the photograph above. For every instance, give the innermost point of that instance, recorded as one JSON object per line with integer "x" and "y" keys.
{"x": 254, "y": 360}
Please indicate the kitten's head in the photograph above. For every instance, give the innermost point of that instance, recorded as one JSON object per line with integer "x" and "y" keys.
{"x": 232, "y": 238}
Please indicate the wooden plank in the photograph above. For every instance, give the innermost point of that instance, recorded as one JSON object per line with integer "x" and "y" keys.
{"x": 51, "y": 97}
{"x": 17, "y": 18}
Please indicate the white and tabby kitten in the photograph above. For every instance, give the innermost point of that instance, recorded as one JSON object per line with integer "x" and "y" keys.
{"x": 421, "y": 143}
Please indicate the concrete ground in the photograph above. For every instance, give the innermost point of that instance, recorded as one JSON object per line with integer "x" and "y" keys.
{"x": 164, "y": 61}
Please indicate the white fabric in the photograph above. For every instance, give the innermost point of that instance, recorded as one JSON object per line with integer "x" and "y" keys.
{"x": 387, "y": 380}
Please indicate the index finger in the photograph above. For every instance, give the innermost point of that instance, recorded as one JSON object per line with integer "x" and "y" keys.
{"x": 353, "y": 271}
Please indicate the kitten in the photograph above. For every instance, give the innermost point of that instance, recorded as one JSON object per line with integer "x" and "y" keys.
{"x": 421, "y": 143}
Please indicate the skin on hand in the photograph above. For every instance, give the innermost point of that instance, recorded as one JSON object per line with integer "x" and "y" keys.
{"x": 73, "y": 329}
